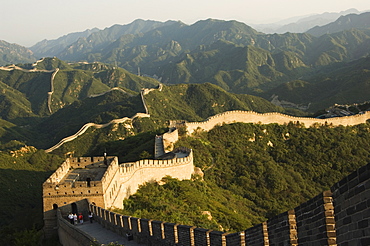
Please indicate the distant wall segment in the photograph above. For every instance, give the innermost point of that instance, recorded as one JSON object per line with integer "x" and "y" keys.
{"x": 268, "y": 118}
{"x": 85, "y": 127}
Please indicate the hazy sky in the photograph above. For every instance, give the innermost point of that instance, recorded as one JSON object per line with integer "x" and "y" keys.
{"x": 26, "y": 22}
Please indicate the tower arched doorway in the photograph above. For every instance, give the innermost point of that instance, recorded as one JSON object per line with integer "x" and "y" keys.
{"x": 74, "y": 208}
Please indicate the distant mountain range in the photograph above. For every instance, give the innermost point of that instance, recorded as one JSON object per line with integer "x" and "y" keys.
{"x": 229, "y": 54}
{"x": 302, "y": 24}
{"x": 347, "y": 22}
{"x": 14, "y": 53}
{"x": 93, "y": 37}
{"x": 47, "y": 48}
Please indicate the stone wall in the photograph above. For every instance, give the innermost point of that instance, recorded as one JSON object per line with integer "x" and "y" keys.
{"x": 340, "y": 216}
{"x": 72, "y": 236}
{"x": 268, "y": 118}
{"x": 84, "y": 128}
{"x": 131, "y": 175}
{"x": 59, "y": 194}
{"x": 352, "y": 208}
{"x": 170, "y": 138}
{"x": 118, "y": 182}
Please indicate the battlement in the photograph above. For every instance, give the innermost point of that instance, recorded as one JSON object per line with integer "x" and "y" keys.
{"x": 268, "y": 118}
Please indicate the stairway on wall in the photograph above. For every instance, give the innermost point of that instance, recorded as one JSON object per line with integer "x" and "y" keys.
{"x": 158, "y": 146}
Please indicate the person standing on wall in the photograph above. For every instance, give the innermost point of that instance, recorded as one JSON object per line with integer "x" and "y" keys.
{"x": 91, "y": 217}
{"x": 75, "y": 219}
{"x": 81, "y": 218}
{"x": 70, "y": 217}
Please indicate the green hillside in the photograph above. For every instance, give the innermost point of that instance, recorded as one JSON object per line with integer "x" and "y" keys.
{"x": 25, "y": 93}
{"x": 343, "y": 83}
{"x": 180, "y": 102}
{"x": 360, "y": 21}
{"x": 234, "y": 68}
{"x": 196, "y": 102}
{"x": 22, "y": 172}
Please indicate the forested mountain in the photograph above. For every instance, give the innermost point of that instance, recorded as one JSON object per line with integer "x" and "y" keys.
{"x": 227, "y": 53}
{"x": 361, "y": 21}
{"x": 87, "y": 48}
{"x": 149, "y": 50}
{"x": 280, "y": 58}
{"x": 46, "y": 47}
{"x": 91, "y": 38}
{"x": 25, "y": 93}
{"x": 342, "y": 83}
{"x": 14, "y": 53}
{"x": 197, "y": 102}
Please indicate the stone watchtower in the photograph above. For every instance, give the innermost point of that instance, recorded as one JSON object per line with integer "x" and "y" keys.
{"x": 75, "y": 180}
{"x": 106, "y": 183}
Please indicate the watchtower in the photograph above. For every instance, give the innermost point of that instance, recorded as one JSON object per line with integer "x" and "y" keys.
{"x": 75, "y": 180}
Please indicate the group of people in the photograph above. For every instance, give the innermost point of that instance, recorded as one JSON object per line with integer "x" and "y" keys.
{"x": 74, "y": 219}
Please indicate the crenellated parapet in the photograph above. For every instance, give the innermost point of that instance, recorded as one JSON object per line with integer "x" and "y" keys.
{"x": 134, "y": 174}
{"x": 269, "y": 118}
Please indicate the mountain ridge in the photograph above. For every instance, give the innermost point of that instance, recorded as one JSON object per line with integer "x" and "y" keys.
{"x": 360, "y": 21}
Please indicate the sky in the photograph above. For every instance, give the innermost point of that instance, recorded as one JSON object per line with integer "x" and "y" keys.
{"x": 27, "y": 22}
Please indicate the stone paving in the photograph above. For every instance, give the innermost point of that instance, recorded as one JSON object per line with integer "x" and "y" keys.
{"x": 105, "y": 236}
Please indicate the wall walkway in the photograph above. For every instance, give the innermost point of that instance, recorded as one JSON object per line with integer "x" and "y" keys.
{"x": 268, "y": 118}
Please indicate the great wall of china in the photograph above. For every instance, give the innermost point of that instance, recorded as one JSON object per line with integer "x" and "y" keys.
{"x": 339, "y": 216}
{"x": 105, "y": 182}
{"x": 269, "y": 118}
{"x": 335, "y": 217}
{"x": 34, "y": 70}
{"x": 84, "y": 128}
